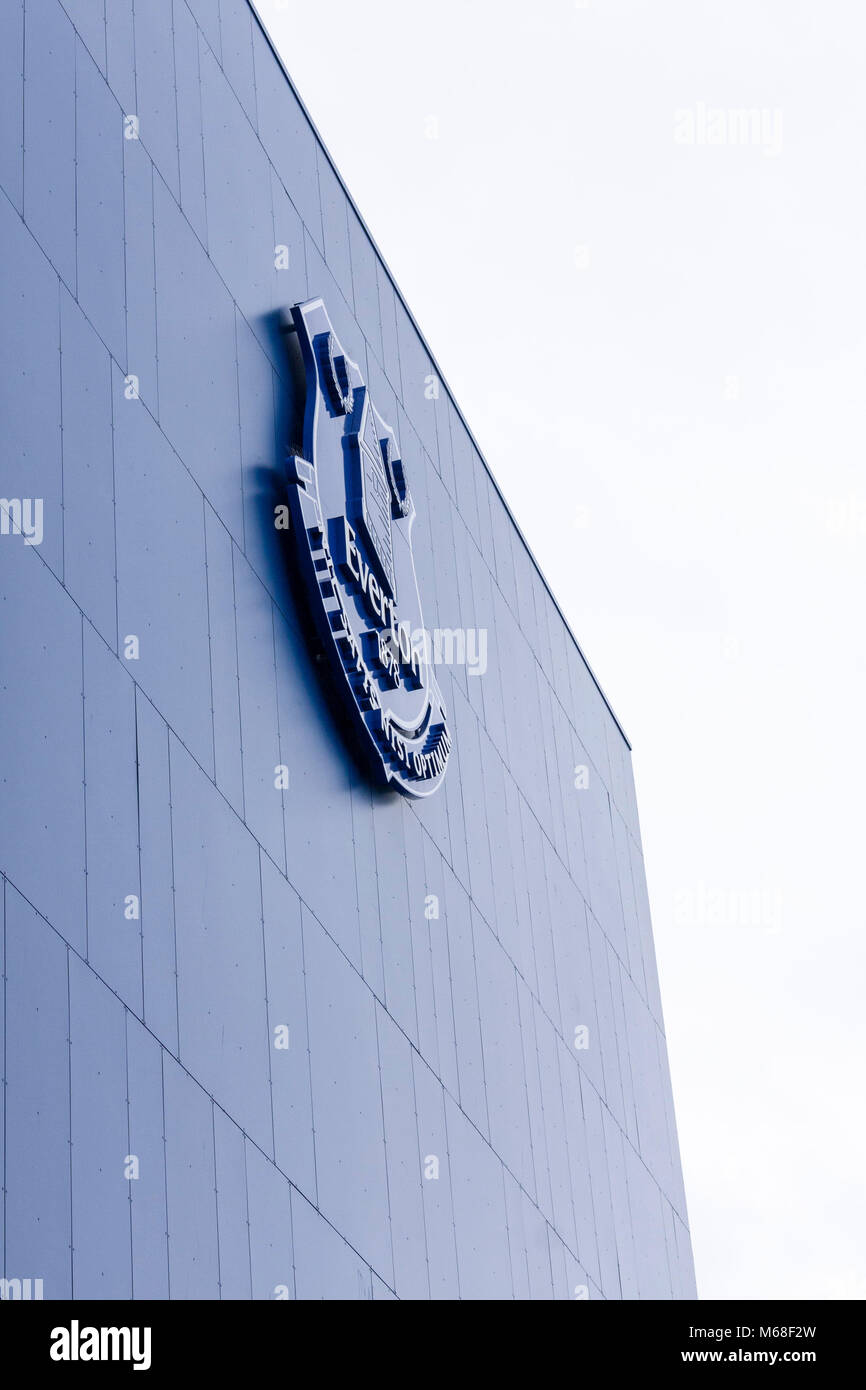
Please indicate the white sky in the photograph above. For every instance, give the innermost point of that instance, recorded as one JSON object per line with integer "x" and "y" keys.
{"x": 675, "y": 414}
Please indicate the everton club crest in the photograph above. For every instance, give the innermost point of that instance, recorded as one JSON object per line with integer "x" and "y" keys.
{"x": 351, "y": 517}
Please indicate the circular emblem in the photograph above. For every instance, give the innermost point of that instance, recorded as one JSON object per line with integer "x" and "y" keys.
{"x": 352, "y": 516}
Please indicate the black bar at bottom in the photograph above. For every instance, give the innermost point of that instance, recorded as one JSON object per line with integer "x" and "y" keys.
{"x": 229, "y": 1339}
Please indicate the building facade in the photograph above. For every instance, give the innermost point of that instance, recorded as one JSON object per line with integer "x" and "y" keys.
{"x": 270, "y": 1027}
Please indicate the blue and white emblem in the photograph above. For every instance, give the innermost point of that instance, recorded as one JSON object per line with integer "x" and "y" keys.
{"x": 352, "y": 516}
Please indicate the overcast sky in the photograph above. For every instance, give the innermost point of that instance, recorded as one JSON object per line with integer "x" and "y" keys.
{"x": 651, "y": 313}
